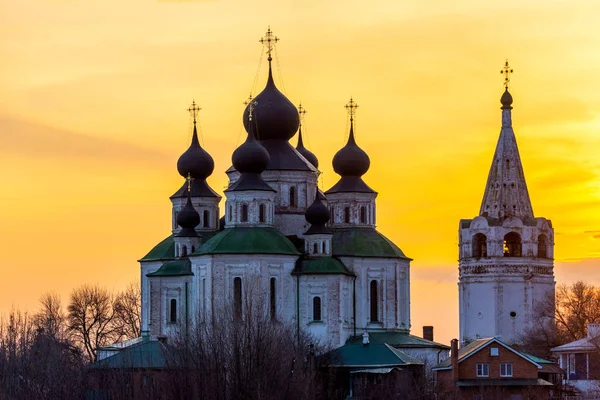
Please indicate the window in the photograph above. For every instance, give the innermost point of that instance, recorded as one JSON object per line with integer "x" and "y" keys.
{"x": 206, "y": 219}
{"x": 332, "y": 214}
{"x": 184, "y": 251}
{"x": 506, "y": 369}
{"x": 237, "y": 298}
{"x": 292, "y": 196}
{"x": 273, "y": 300}
{"x": 512, "y": 245}
{"x": 193, "y": 249}
{"x": 261, "y": 213}
{"x": 542, "y": 246}
{"x": 483, "y": 370}
{"x": 363, "y": 215}
{"x": 374, "y": 301}
{"x": 347, "y": 215}
{"x": 315, "y": 248}
{"x": 324, "y": 248}
{"x": 244, "y": 213}
{"x": 494, "y": 351}
{"x": 479, "y": 245}
{"x": 316, "y": 308}
{"x": 173, "y": 311}
{"x": 230, "y": 212}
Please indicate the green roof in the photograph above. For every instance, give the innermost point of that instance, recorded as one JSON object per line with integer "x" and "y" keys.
{"x": 400, "y": 339}
{"x": 248, "y": 240}
{"x": 146, "y": 354}
{"x": 320, "y": 266}
{"x": 374, "y": 355}
{"x": 165, "y": 250}
{"x": 537, "y": 359}
{"x": 363, "y": 242}
{"x": 179, "y": 267}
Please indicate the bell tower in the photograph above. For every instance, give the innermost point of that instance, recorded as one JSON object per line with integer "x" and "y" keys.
{"x": 506, "y": 253}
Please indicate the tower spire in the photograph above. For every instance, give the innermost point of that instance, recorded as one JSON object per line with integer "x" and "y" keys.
{"x": 351, "y": 107}
{"x": 506, "y": 191}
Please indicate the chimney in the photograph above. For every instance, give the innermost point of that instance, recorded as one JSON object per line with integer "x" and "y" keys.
{"x": 454, "y": 358}
{"x": 428, "y": 333}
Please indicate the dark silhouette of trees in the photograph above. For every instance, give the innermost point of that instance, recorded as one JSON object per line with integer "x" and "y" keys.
{"x": 128, "y": 311}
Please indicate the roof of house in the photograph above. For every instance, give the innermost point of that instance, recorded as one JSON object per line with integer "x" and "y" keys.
{"x": 363, "y": 242}
{"x": 400, "y": 340}
{"x": 144, "y": 354}
{"x": 502, "y": 382}
{"x": 477, "y": 345}
{"x": 584, "y": 345}
{"x": 248, "y": 240}
{"x": 320, "y": 266}
{"x": 374, "y": 355}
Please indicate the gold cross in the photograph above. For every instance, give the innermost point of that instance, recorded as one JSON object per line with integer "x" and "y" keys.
{"x": 248, "y": 100}
{"x": 351, "y": 107}
{"x": 193, "y": 110}
{"x": 189, "y": 180}
{"x": 301, "y": 112}
{"x": 251, "y": 105}
{"x": 506, "y": 71}
{"x": 269, "y": 41}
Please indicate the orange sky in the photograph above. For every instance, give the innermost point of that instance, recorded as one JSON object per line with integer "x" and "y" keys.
{"x": 92, "y": 120}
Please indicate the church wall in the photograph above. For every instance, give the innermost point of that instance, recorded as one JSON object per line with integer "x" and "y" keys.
{"x": 146, "y": 268}
{"x": 338, "y": 202}
{"x": 393, "y": 295}
{"x": 162, "y": 291}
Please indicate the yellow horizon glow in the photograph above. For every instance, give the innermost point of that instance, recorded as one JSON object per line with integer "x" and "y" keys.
{"x": 93, "y": 99}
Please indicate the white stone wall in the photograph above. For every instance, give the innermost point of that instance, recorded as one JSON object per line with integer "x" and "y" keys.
{"x": 354, "y": 202}
{"x": 147, "y": 267}
{"x": 500, "y": 295}
{"x": 162, "y": 291}
{"x": 253, "y": 200}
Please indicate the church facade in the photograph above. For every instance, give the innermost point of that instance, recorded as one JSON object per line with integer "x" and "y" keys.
{"x": 506, "y": 253}
{"x": 311, "y": 258}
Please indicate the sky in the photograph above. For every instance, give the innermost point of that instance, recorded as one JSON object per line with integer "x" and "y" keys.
{"x": 93, "y": 99}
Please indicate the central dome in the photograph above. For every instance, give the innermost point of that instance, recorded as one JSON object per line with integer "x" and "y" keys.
{"x": 274, "y": 116}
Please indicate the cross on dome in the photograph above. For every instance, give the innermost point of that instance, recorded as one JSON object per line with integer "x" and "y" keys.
{"x": 506, "y": 71}
{"x": 251, "y": 106}
{"x": 351, "y": 107}
{"x": 269, "y": 41}
{"x": 193, "y": 110}
{"x": 301, "y": 112}
{"x": 189, "y": 180}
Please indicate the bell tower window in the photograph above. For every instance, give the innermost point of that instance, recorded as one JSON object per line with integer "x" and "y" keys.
{"x": 363, "y": 215}
{"x": 479, "y": 245}
{"x": 293, "y": 196}
{"x": 347, "y": 215}
{"x": 244, "y": 216}
{"x": 512, "y": 245}
{"x": 206, "y": 219}
{"x": 261, "y": 213}
{"x": 542, "y": 246}
{"x": 315, "y": 248}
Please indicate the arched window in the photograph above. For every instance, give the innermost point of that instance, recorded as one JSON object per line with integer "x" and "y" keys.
{"x": 173, "y": 311}
{"x": 184, "y": 251}
{"x": 206, "y": 218}
{"x": 324, "y": 248}
{"x": 512, "y": 245}
{"x": 244, "y": 217}
{"x": 261, "y": 213}
{"x": 374, "y": 301}
{"x": 347, "y": 215}
{"x": 237, "y": 298}
{"x": 479, "y": 245}
{"x": 230, "y": 213}
{"x": 542, "y": 246}
{"x": 316, "y": 308}
{"x": 363, "y": 215}
{"x": 273, "y": 300}
{"x": 293, "y": 196}
{"x": 315, "y": 248}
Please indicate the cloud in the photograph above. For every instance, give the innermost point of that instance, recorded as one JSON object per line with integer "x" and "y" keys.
{"x": 34, "y": 140}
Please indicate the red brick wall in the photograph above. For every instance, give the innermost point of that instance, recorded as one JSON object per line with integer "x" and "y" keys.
{"x": 521, "y": 367}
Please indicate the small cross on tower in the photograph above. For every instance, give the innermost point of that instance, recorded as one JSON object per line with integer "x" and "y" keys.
{"x": 189, "y": 180}
{"x": 251, "y": 105}
{"x": 506, "y": 71}
{"x": 269, "y": 42}
{"x": 301, "y": 112}
{"x": 193, "y": 110}
{"x": 351, "y": 107}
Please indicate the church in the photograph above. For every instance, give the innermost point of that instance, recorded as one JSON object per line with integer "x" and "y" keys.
{"x": 313, "y": 257}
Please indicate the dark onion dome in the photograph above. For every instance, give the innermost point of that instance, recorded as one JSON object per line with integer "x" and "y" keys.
{"x": 274, "y": 116}
{"x": 317, "y": 215}
{"x": 506, "y": 100}
{"x": 351, "y": 160}
{"x": 250, "y": 156}
{"x": 305, "y": 152}
{"x": 188, "y": 218}
{"x": 195, "y": 161}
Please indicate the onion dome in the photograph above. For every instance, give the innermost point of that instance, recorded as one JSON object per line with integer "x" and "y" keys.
{"x": 274, "y": 116}
{"x": 351, "y": 160}
{"x": 506, "y": 100}
{"x": 305, "y": 152}
{"x": 188, "y": 218}
{"x": 251, "y": 156}
{"x": 195, "y": 161}
{"x": 317, "y": 215}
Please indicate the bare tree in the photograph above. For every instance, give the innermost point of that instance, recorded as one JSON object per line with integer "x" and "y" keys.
{"x": 91, "y": 319}
{"x": 128, "y": 311}
{"x": 51, "y": 318}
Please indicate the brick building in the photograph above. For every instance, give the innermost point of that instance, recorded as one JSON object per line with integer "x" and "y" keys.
{"x": 490, "y": 369}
